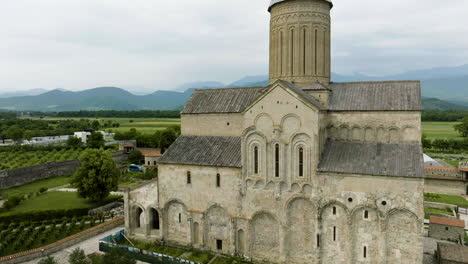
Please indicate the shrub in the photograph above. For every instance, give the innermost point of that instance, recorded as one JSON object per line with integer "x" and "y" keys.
{"x": 78, "y": 257}
{"x": 42, "y": 190}
{"x": 48, "y": 260}
{"x": 44, "y": 215}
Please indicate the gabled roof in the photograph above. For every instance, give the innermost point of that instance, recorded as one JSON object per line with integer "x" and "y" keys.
{"x": 305, "y": 96}
{"x": 204, "y": 151}
{"x": 274, "y": 2}
{"x": 316, "y": 87}
{"x": 447, "y": 221}
{"x": 376, "y": 96}
{"x": 225, "y": 100}
{"x": 368, "y": 158}
{"x": 451, "y": 252}
{"x": 148, "y": 152}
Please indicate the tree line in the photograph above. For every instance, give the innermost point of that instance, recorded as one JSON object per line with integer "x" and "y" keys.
{"x": 160, "y": 139}
{"x": 111, "y": 114}
{"x": 444, "y": 116}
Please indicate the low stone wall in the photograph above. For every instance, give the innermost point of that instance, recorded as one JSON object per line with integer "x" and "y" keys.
{"x": 20, "y": 176}
{"x": 17, "y": 177}
{"x": 62, "y": 244}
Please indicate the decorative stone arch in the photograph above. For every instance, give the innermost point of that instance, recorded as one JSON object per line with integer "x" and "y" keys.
{"x": 334, "y": 232}
{"x": 301, "y": 238}
{"x": 356, "y": 133}
{"x": 409, "y": 133}
{"x": 176, "y": 224}
{"x": 344, "y": 132}
{"x": 296, "y": 188}
{"x": 381, "y": 134}
{"x": 217, "y": 227}
{"x": 138, "y": 216}
{"x": 307, "y": 189}
{"x": 403, "y": 227}
{"x": 260, "y": 184}
{"x": 254, "y": 141}
{"x": 367, "y": 219}
{"x": 154, "y": 218}
{"x": 289, "y": 116}
{"x": 264, "y": 236}
{"x": 270, "y": 186}
{"x": 369, "y": 134}
{"x": 301, "y": 141}
{"x": 394, "y": 134}
{"x": 333, "y": 131}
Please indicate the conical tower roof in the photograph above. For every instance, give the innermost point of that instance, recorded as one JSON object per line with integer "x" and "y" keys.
{"x": 274, "y": 2}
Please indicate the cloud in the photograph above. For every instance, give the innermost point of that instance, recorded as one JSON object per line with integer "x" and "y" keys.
{"x": 150, "y": 45}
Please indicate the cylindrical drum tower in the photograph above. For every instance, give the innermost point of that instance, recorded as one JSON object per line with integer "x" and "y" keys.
{"x": 300, "y": 41}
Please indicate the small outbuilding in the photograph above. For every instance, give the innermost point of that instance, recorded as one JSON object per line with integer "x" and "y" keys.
{"x": 151, "y": 155}
{"x": 127, "y": 146}
{"x": 451, "y": 254}
{"x": 447, "y": 229}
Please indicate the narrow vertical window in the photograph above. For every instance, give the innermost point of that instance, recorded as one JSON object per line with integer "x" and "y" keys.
{"x": 256, "y": 160}
{"x": 281, "y": 54}
{"x": 180, "y": 218}
{"x": 366, "y": 214}
{"x": 277, "y": 167}
{"x": 315, "y": 52}
{"x": 218, "y": 180}
{"x": 334, "y": 210}
{"x": 189, "y": 178}
{"x": 304, "y": 38}
{"x": 301, "y": 162}
{"x": 365, "y": 252}
{"x": 318, "y": 240}
{"x": 292, "y": 52}
{"x": 334, "y": 233}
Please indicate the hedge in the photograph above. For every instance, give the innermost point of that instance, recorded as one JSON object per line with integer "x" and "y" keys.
{"x": 44, "y": 215}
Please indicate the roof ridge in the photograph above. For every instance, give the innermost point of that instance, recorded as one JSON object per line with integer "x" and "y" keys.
{"x": 230, "y": 88}
{"x": 389, "y": 81}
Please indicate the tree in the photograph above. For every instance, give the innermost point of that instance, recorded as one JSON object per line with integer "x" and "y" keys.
{"x": 168, "y": 136}
{"x": 463, "y": 127}
{"x": 118, "y": 256}
{"x": 97, "y": 176}
{"x": 28, "y": 135}
{"x": 48, "y": 260}
{"x": 95, "y": 125}
{"x": 74, "y": 142}
{"x": 135, "y": 157}
{"x": 78, "y": 257}
{"x": 15, "y": 133}
{"x": 96, "y": 140}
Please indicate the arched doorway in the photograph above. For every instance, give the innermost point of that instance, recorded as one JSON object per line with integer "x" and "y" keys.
{"x": 138, "y": 214}
{"x": 155, "y": 224}
{"x": 196, "y": 233}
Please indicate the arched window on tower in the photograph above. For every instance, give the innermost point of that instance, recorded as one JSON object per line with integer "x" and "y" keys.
{"x": 301, "y": 162}
{"x": 304, "y": 50}
{"x": 277, "y": 160}
{"x": 291, "y": 55}
{"x": 256, "y": 160}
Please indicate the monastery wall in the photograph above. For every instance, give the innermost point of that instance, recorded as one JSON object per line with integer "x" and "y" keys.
{"x": 212, "y": 124}
{"x": 382, "y": 127}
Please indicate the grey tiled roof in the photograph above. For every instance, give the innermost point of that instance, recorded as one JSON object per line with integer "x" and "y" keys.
{"x": 316, "y": 87}
{"x": 227, "y": 100}
{"x": 204, "y": 151}
{"x": 376, "y": 96}
{"x": 392, "y": 159}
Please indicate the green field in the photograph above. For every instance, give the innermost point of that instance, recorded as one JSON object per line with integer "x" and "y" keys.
{"x": 55, "y": 201}
{"x": 440, "y": 130}
{"x": 20, "y": 158}
{"x": 35, "y": 186}
{"x": 143, "y": 125}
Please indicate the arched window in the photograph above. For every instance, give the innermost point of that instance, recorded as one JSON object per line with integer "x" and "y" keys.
{"x": 334, "y": 210}
{"x": 366, "y": 214}
{"x": 154, "y": 219}
{"x": 256, "y": 160}
{"x": 301, "y": 162}
{"x": 316, "y": 49}
{"x": 154, "y": 163}
{"x": 218, "y": 180}
{"x": 180, "y": 218}
{"x": 291, "y": 33}
{"x": 304, "y": 50}
{"x": 277, "y": 160}
{"x": 189, "y": 177}
{"x": 365, "y": 252}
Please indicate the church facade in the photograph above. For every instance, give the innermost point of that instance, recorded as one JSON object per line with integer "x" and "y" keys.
{"x": 304, "y": 170}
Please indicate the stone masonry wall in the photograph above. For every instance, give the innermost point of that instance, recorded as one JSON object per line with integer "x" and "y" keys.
{"x": 446, "y": 232}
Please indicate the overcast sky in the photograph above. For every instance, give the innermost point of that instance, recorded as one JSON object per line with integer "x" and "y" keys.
{"x": 147, "y": 45}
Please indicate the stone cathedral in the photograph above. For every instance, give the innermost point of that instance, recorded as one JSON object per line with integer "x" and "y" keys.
{"x": 304, "y": 170}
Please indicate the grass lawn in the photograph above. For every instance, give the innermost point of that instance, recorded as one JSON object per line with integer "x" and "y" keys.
{"x": 438, "y": 211}
{"x": 143, "y": 125}
{"x": 35, "y": 186}
{"x": 226, "y": 260}
{"x": 155, "y": 247}
{"x": 53, "y": 201}
{"x": 200, "y": 256}
{"x": 447, "y": 199}
{"x": 440, "y": 130}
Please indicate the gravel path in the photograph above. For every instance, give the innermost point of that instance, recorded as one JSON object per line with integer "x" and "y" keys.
{"x": 89, "y": 246}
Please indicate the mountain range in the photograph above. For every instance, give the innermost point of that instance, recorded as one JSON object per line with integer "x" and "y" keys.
{"x": 442, "y": 88}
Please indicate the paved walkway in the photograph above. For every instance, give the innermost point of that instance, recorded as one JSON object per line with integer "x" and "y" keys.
{"x": 464, "y": 217}
{"x": 89, "y": 246}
